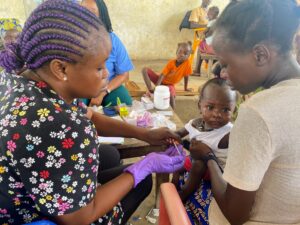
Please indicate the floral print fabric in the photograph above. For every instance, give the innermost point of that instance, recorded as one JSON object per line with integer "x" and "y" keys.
{"x": 48, "y": 154}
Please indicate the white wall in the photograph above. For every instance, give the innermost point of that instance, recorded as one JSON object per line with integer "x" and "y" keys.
{"x": 148, "y": 28}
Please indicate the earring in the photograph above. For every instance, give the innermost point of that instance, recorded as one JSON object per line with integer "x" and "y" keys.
{"x": 65, "y": 78}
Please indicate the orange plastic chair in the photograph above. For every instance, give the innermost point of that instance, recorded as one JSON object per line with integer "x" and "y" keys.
{"x": 171, "y": 209}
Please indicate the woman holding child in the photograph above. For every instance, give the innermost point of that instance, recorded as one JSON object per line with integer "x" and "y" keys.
{"x": 261, "y": 179}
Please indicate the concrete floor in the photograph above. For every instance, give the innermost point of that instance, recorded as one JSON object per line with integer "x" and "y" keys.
{"x": 186, "y": 109}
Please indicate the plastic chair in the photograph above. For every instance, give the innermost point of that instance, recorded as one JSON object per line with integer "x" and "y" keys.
{"x": 41, "y": 222}
{"x": 171, "y": 209}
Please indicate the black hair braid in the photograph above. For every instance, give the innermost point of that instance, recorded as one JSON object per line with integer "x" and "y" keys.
{"x": 104, "y": 15}
{"x": 250, "y": 22}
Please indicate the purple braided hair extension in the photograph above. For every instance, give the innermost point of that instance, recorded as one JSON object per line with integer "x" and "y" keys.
{"x": 9, "y": 58}
{"x": 57, "y": 29}
{"x": 56, "y": 7}
{"x": 65, "y": 8}
{"x": 58, "y": 15}
{"x": 31, "y": 31}
{"x": 34, "y": 53}
{"x": 48, "y": 58}
{"x": 49, "y": 36}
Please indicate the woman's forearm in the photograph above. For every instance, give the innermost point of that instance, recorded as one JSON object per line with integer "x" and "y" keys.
{"x": 118, "y": 81}
{"x": 234, "y": 203}
{"x": 114, "y": 128}
{"x": 107, "y": 196}
{"x": 218, "y": 183}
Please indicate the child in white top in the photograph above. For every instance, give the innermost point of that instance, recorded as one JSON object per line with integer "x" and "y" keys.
{"x": 216, "y": 103}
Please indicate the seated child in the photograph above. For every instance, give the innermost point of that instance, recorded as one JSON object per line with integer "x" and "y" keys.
{"x": 205, "y": 45}
{"x": 216, "y": 104}
{"x": 172, "y": 73}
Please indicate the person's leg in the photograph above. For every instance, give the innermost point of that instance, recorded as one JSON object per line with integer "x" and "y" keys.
{"x": 149, "y": 76}
{"x": 135, "y": 197}
{"x": 172, "y": 101}
{"x": 109, "y": 157}
{"x": 172, "y": 95}
{"x": 120, "y": 92}
{"x": 193, "y": 181}
{"x": 110, "y": 168}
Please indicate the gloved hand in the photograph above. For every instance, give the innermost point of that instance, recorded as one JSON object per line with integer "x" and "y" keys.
{"x": 163, "y": 162}
{"x": 172, "y": 151}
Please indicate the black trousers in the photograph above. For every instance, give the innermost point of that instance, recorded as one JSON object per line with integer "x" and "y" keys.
{"x": 110, "y": 168}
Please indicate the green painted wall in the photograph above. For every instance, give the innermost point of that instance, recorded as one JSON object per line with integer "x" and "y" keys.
{"x": 148, "y": 28}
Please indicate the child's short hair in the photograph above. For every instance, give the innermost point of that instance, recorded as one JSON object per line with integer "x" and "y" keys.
{"x": 214, "y": 81}
{"x": 185, "y": 44}
{"x": 215, "y": 10}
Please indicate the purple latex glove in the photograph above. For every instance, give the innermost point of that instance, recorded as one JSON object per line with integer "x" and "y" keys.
{"x": 172, "y": 151}
{"x": 166, "y": 162}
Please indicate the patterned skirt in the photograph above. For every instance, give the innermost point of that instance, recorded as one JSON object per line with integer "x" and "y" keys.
{"x": 198, "y": 203}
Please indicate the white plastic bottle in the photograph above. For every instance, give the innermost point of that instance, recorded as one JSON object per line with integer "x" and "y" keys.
{"x": 162, "y": 97}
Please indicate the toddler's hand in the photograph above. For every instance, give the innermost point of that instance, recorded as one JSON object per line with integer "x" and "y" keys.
{"x": 198, "y": 149}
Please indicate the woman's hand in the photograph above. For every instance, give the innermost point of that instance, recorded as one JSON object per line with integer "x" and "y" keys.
{"x": 160, "y": 136}
{"x": 167, "y": 162}
{"x": 199, "y": 150}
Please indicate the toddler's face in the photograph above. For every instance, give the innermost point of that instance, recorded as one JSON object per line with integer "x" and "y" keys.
{"x": 183, "y": 53}
{"x": 211, "y": 14}
{"x": 217, "y": 106}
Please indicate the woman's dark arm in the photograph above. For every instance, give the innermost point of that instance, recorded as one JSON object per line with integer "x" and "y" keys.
{"x": 234, "y": 203}
{"x": 182, "y": 132}
{"x": 107, "y": 196}
{"x": 114, "y": 128}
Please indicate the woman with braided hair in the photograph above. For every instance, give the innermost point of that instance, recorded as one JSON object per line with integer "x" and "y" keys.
{"x": 261, "y": 180}
{"x": 118, "y": 63}
{"x": 49, "y": 155}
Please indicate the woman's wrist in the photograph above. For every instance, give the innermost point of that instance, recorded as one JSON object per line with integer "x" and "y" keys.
{"x": 209, "y": 156}
{"x": 142, "y": 134}
{"x": 210, "y": 159}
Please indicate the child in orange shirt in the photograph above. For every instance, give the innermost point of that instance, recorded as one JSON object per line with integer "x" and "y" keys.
{"x": 172, "y": 73}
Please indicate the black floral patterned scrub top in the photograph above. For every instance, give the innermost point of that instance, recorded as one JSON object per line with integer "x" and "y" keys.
{"x": 48, "y": 154}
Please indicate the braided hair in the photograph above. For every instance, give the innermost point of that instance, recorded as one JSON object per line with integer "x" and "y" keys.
{"x": 250, "y": 22}
{"x": 55, "y": 30}
{"x": 104, "y": 15}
